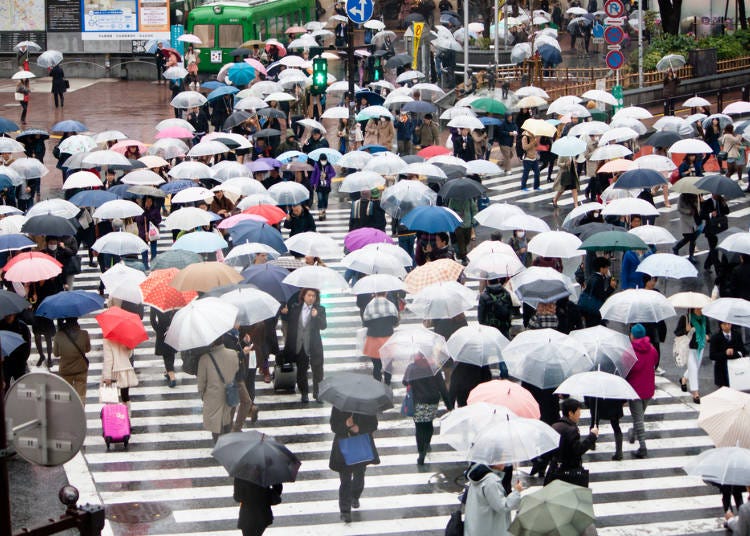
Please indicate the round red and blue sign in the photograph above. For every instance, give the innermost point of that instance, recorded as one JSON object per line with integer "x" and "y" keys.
{"x": 613, "y": 35}
{"x": 614, "y": 8}
{"x": 614, "y": 60}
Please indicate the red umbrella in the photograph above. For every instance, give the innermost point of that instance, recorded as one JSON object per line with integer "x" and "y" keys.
{"x": 159, "y": 294}
{"x": 433, "y": 150}
{"x": 121, "y": 326}
{"x": 231, "y": 221}
{"x": 506, "y": 393}
{"x": 274, "y": 43}
{"x": 271, "y": 213}
{"x": 31, "y": 266}
{"x": 166, "y": 52}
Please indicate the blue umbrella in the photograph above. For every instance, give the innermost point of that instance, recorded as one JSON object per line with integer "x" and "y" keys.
{"x": 32, "y": 132}
{"x": 212, "y": 84}
{"x": 9, "y": 341}
{"x": 5, "y": 182}
{"x": 92, "y": 198}
{"x": 213, "y": 216}
{"x": 372, "y": 98}
{"x": 255, "y": 231}
{"x": 121, "y": 191}
{"x": 288, "y": 156}
{"x": 372, "y": 148}
{"x": 635, "y": 179}
{"x": 419, "y": 107}
{"x": 172, "y": 187}
{"x": 241, "y": 74}
{"x": 332, "y": 155}
{"x": 269, "y": 277}
{"x": 151, "y": 45}
{"x": 431, "y": 219}
{"x": 550, "y": 55}
{"x": 6, "y": 125}
{"x": 69, "y": 126}
{"x": 221, "y": 92}
{"x": 200, "y": 242}
{"x": 70, "y": 304}
{"x": 15, "y": 241}
{"x": 490, "y": 121}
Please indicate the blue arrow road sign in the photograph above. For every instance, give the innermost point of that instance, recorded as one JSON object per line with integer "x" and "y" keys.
{"x": 359, "y": 11}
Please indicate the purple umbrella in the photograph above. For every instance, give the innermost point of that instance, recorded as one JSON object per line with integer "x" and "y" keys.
{"x": 359, "y": 238}
{"x": 271, "y": 161}
{"x": 258, "y": 165}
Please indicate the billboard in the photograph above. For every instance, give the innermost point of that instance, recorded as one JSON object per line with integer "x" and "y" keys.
{"x": 106, "y": 20}
{"x": 22, "y": 15}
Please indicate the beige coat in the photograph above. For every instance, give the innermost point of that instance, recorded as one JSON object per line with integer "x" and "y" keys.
{"x": 216, "y": 413}
{"x": 371, "y": 133}
{"x": 386, "y": 133}
{"x": 528, "y": 144}
{"x": 116, "y": 364}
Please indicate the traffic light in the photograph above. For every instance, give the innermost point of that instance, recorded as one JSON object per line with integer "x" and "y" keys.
{"x": 319, "y": 76}
{"x": 377, "y": 70}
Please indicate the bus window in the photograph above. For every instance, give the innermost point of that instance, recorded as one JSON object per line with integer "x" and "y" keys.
{"x": 280, "y": 27}
{"x": 230, "y": 35}
{"x": 206, "y": 33}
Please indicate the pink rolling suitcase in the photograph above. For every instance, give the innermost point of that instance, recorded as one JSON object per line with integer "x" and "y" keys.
{"x": 115, "y": 424}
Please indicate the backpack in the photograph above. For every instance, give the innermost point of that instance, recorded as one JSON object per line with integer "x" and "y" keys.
{"x": 500, "y": 311}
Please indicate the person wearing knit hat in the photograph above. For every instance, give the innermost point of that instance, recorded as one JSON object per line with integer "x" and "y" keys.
{"x": 642, "y": 378}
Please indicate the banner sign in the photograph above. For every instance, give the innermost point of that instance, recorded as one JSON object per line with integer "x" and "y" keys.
{"x": 106, "y": 20}
{"x": 418, "y": 29}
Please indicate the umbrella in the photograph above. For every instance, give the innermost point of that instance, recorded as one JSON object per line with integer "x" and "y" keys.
{"x": 445, "y": 299}
{"x": 663, "y": 138}
{"x": 737, "y": 107}
{"x": 207, "y": 148}
{"x": 158, "y": 293}
{"x": 550, "y": 54}
{"x": 359, "y": 238}
{"x": 736, "y": 243}
{"x": 557, "y": 508}
{"x": 200, "y": 242}
{"x": 568, "y": 146}
{"x": 465, "y": 121}
{"x": 9, "y": 341}
{"x": 541, "y": 284}
{"x": 289, "y": 193}
{"x": 433, "y": 272}
{"x": 25, "y": 46}
{"x": 558, "y": 244}
{"x": 187, "y": 218}
{"x": 460, "y": 426}
{"x": 356, "y": 393}
{"x": 70, "y": 304}
{"x": 9, "y": 145}
{"x": 253, "y": 231}
{"x": 690, "y": 146}
{"x": 256, "y": 457}
{"x": 720, "y": 185}
{"x": 30, "y": 133}
{"x": 667, "y": 265}
{"x": 493, "y": 266}
{"x": 508, "y": 394}
{"x": 419, "y": 107}
{"x": 613, "y": 241}
{"x": 188, "y": 99}
{"x": 637, "y": 305}
{"x": 119, "y": 208}
{"x": 431, "y": 219}
{"x": 175, "y": 258}
{"x": 243, "y": 254}
{"x": 724, "y": 416}
{"x": 482, "y": 167}
{"x": 545, "y": 357}
{"x": 477, "y": 345}
{"x": 597, "y": 384}
{"x": 508, "y": 441}
{"x": 270, "y": 278}
{"x": 120, "y": 243}
{"x": 48, "y": 225}
{"x": 205, "y": 276}
{"x": 639, "y": 179}
{"x": 537, "y": 127}
{"x": 461, "y": 188}
{"x": 731, "y": 310}
{"x": 366, "y": 262}
{"x": 178, "y": 72}
{"x": 122, "y": 327}
{"x": 689, "y": 300}
{"x": 524, "y": 222}
{"x": 313, "y": 244}
{"x": 520, "y": 52}
{"x": 11, "y": 303}
{"x": 655, "y": 162}
{"x": 82, "y": 179}
{"x": 360, "y": 181}
{"x": 610, "y": 350}
{"x": 722, "y": 465}
{"x": 317, "y": 277}
{"x": 200, "y": 323}
{"x": 610, "y": 152}
{"x": 399, "y": 199}
{"x": 670, "y": 61}
{"x": 653, "y": 234}
{"x": 271, "y": 213}
{"x": 15, "y": 241}
{"x": 496, "y": 213}
{"x": 425, "y": 350}
{"x": 49, "y": 58}
{"x": 6, "y": 125}
{"x": 489, "y": 105}
{"x": 254, "y": 305}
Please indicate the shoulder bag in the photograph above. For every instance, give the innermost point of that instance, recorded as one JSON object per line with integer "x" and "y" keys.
{"x": 83, "y": 354}
{"x": 577, "y": 476}
{"x": 681, "y": 348}
{"x": 231, "y": 389}
{"x": 356, "y": 449}
{"x": 455, "y": 526}
{"x": 407, "y": 406}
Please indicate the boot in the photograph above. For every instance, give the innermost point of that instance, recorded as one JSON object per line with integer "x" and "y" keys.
{"x": 641, "y": 453}
{"x": 617, "y": 456}
{"x": 254, "y": 413}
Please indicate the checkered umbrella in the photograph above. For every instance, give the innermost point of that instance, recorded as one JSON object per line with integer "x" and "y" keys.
{"x": 432, "y": 272}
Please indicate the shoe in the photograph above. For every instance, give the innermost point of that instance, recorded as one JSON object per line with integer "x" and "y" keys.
{"x": 346, "y": 517}
{"x": 692, "y": 259}
{"x": 420, "y": 459}
{"x": 697, "y": 399}
{"x": 40, "y": 362}
{"x": 524, "y": 189}
{"x": 537, "y": 188}
{"x": 617, "y": 456}
{"x": 640, "y": 453}
{"x": 675, "y": 251}
{"x": 172, "y": 384}
{"x": 267, "y": 377}
{"x": 305, "y": 399}
{"x": 631, "y": 436}
{"x": 254, "y": 413}
{"x": 355, "y": 503}
{"x": 318, "y": 400}
{"x": 683, "y": 385}
{"x": 659, "y": 371}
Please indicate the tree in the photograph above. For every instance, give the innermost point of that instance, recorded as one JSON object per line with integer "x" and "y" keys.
{"x": 670, "y": 15}
{"x": 741, "y": 14}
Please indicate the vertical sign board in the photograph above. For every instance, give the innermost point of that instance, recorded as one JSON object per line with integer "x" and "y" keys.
{"x": 107, "y": 20}
{"x": 176, "y": 31}
{"x": 418, "y": 29}
{"x": 613, "y": 37}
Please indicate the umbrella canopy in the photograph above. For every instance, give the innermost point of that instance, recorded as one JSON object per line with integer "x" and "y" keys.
{"x": 256, "y": 457}
{"x": 49, "y": 58}
{"x": 494, "y": 265}
{"x": 459, "y": 427}
{"x": 653, "y": 234}
{"x": 431, "y": 219}
{"x": 732, "y": 310}
{"x": 253, "y": 305}
{"x": 70, "y": 304}
{"x": 82, "y": 179}
{"x": 122, "y": 327}
{"x": 670, "y": 61}
{"x": 568, "y": 146}
{"x": 200, "y": 242}
{"x": 557, "y": 244}
{"x": 377, "y": 283}
{"x": 523, "y": 222}
{"x": 689, "y": 300}
{"x": 270, "y": 278}
{"x": 317, "y": 277}
{"x": 663, "y": 138}
{"x": 508, "y": 394}
{"x": 205, "y": 276}
{"x": 175, "y": 258}
{"x": 557, "y": 508}
{"x": 513, "y": 440}
{"x": 613, "y": 241}
{"x": 610, "y": 350}
{"x": 597, "y": 384}
{"x": 188, "y": 99}
{"x": 313, "y": 244}
{"x": 361, "y": 181}
{"x": 736, "y": 243}
{"x": 118, "y": 209}
{"x": 365, "y": 262}
{"x": 289, "y": 193}
{"x": 637, "y": 305}
{"x": 433, "y": 272}
{"x": 11, "y": 303}
{"x": 477, "y": 345}
{"x": 356, "y": 393}
{"x": 537, "y": 127}
{"x": 690, "y": 146}
{"x": 667, "y": 265}
{"x": 639, "y": 179}
{"x": 16, "y": 241}
{"x": 720, "y": 185}
{"x": 254, "y": 231}
{"x": 399, "y": 199}
{"x": 120, "y": 243}
{"x": 28, "y": 267}
{"x": 445, "y": 299}
{"x": 48, "y": 225}
{"x": 359, "y": 238}
{"x": 462, "y": 188}
{"x": 158, "y": 293}
{"x": 271, "y": 213}
{"x": 541, "y": 284}
{"x": 416, "y": 352}
{"x": 722, "y": 465}
{"x": 725, "y": 416}
{"x": 187, "y": 218}
{"x": 200, "y": 323}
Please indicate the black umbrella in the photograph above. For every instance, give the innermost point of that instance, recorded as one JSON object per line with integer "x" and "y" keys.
{"x": 371, "y": 97}
{"x": 31, "y": 132}
{"x": 11, "y": 303}
{"x": 48, "y": 225}
{"x": 256, "y": 457}
{"x": 236, "y": 119}
{"x": 450, "y": 17}
{"x": 452, "y": 171}
{"x": 267, "y": 133}
{"x": 272, "y": 113}
{"x": 241, "y": 52}
{"x": 663, "y": 138}
{"x": 636, "y": 179}
{"x": 419, "y": 107}
{"x": 462, "y": 188}
{"x": 356, "y": 393}
{"x": 399, "y": 60}
{"x": 411, "y": 18}
{"x": 412, "y": 159}
{"x": 720, "y": 185}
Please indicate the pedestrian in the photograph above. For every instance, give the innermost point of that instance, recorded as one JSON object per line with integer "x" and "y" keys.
{"x": 567, "y": 180}
{"x": 321, "y": 178}
{"x": 711, "y": 135}
{"x": 192, "y": 59}
{"x": 599, "y": 286}
{"x": 148, "y": 225}
{"x": 303, "y": 345}
{"x": 642, "y": 378}
{"x": 495, "y": 307}
{"x": 315, "y": 141}
{"x": 255, "y": 505}
{"x": 466, "y": 209}
{"x": 690, "y": 224}
{"x": 351, "y": 477}
{"x": 160, "y": 322}
{"x": 386, "y": 132}
{"x": 488, "y": 507}
{"x": 427, "y": 132}
{"x": 725, "y": 344}
{"x": 221, "y": 205}
{"x": 217, "y": 367}
{"x": 15, "y": 364}
{"x": 463, "y": 145}
{"x": 630, "y": 277}
{"x": 714, "y": 211}
{"x": 380, "y": 317}
{"x": 117, "y": 368}
{"x": 367, "y": 212}
{"x": 739, "y": 524}
{"x": 505, "y": 135}
{"x": 479, "y": 135}
{"x": 42, "y": 327}
{"x": 669, "y": 91}
{"x": 427, "y": 389}
{"x": 567, "y": 464}
{"x": 731, "y": 144}
{"x": 71, "y": 344}
{"x": 519, "y": 243}
{"x": 23, "y": 92}
{"x": 299, "y": 220}
{"x": 160, "y": 61}
{"x": 59, "y": 85}
{"x": 404, "y": 134}
{"x": 691, "y": 166}
{"x": 695, "y": 326}
{"x": 530, "y": 159}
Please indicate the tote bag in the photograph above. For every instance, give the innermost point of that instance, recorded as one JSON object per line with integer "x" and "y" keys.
{"x": 739, "y": 373}
{"x": 356, "y": 449}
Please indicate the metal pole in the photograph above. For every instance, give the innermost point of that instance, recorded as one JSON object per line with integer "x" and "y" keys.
{"x": 640, "y": 43}
{"x": 505, "y": 19}
{"x": 497, "y": 38}
{"x": 5, "y": 524}
{"x": 466, "y": 42}
{"x": 350, "y": 58}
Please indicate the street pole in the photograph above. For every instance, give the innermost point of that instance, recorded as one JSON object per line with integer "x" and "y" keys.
{"x": 351, "y": 65}
{"x": 640, "y": 43}
{"x": 505, "y": 18}
{"x": 497, "y": 38}
{"x": 466, "y": 42}
{"x": 5, "y": 524}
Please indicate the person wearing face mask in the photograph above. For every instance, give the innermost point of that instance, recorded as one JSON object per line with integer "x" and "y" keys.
{"x": 519, "y": 243}
{"x": 488, "y": 506}
{"x": 57, "y": 250}
{"x": 320, "y": 179}
{"x": 299, "y": 220}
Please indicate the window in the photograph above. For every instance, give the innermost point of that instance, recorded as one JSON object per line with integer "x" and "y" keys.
{"x": 280, "y": 27}
{"x": 206, "y": 33}
{"x": 230, "y": 35}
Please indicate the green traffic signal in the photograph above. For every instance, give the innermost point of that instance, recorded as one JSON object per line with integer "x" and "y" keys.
{"x": 320, "y": 75}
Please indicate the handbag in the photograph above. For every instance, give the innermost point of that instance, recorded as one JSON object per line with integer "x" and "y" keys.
{"x": 359, "y": 340}
{"x": 577, "y": 476}
{"x": 455, "y": 526}
{"x": 407, "y": 406}
{"x": 717, "y": 225}
{"x": 18, "y": 96}
{"x": 722, "y": 156}
{"x": 356, "y": 449}
{"x": 153, "y": 232}
{"x": 67, "y": 84}
{"x": 674, "y": 176}
{"x": 108, "y": 394}
{"x": 73, "y": 266}
{"x": 681, "y": 348}
{"x": 231, "y": 389}
{"x": 738, "y": 371}
{"x": 588, "y": 303}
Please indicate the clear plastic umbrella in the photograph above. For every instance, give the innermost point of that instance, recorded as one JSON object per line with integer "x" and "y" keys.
{"x": 399, "y": 199}
{"x": 722, "y": 465}
{"x": 49, "y": 58}
{"x": 667, "y": 265}
{"x": 493, "y": 266}
{"x": 56, "y": 207}
{"x": 289, "y": 193}
{"x": 477, "y": 345}
{"x": 512, "y": 441}
{"x": 188, "y": 99}
{"x": 445, "y": 299}
{"x": 317, "y": 277}
{"x": 732, "y": 310}
{"x": 366, "y": 262}
{"x": 200, "y": 323}
{"x": 460, "y": 426}
{"x": 119, "y": 243}
{"x": 609, "y": 349}
{"x": 376, "y": 283}
{"x": 637, "y": 305}
{"x": 253, "y": 305}
{"x": 313, "y": 244}
{"x": 361, "y": 180}
{"x": 653, "y": 234}
{"x": 597, "y": 384}
{"x": 557, "y": 244}
{"x": 414, "y": 344}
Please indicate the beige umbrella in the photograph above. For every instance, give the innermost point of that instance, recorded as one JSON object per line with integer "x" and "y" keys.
{"x": 205, "y": 276}
{"x": 725, "y": 416}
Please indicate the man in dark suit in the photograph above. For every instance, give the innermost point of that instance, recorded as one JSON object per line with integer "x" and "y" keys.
{"x": 726, "y": 344}
{"x": 463, "y": 145}
{"x": 306, "y": 319}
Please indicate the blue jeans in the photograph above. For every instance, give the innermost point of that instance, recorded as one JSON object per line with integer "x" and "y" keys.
{"x": 530, "y": 165}
{"x": 407, "y": 244}
{"x": 322, "y": 199}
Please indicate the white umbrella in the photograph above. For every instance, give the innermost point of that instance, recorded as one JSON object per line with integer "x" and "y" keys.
{"x": 260, "y": 89}
{"x": 490, "y": 247}
{"x": 188, "y": 99}
{"x": 496, "y": 213}
{"x": 597, "y": 384}
{"x": 364, "y": 261}
{"x": 690, "y": 146}
{"x": 447, "y": 159}
{"x": 657, "y": 162}
{"x": 253, "y": 305}
{"x": 722, "y": 465}
{"x": 119, "y": 243}
{"x": 674, "y": 124}
{"x": 78, "y": 143}
{"x": 190, "y": 38}
{"x": 610, "y": 152}
{"x": 410, "y": 344}
{"x": 207, "y": 148}
{"x": 399, "y": 199}
{"x": 313, "y": 244}
{"x": 386, "y": 164}
{"x": 559, "y": 105}
{"x": 280, "y": 96}
{"x": 337, "y": 112}
{"x": 178, "y": 72}
{"x": 119, "y": 274}
{"x": 294, "y": 61}
{"x": 243, "y": 254}
{"x": 493, "y": 266}
{"x": 377, "y": 283}
{"x": 12, "y": 224}
{"x": 611, "y": 351}
{"x": 22, "y": 75}
{"x": 465, "y": 121}
{"x": 667, "y": 265}
{"x": 482, "y": 168}
{"x": 408, "y": 76}
{"x": 457, "y": 111}
{"x": 724, "y": 415}
{"x": 193, "y": 194}
{"x": 653, "y": 234}
{"x": 354, "y": 160}
{"x": 555, "y": 244}
{"x": 532, "y": 102}
{"x": 689, "y": 300}
{"x": 443, "y": 300}
{"x": 228, "y": 169}
{"x": 82, "y": 179}
{"x": 477, "y": 345}
{"x": 611, "y": 193}
{"x": 168, "y": 148}
{"x": 696, "y": 102}
{"x": 590, "y": 128}
{"x": 200, "y": 323}
{"x": 105, "y": 158}
{"x": 637, "y": 305}
{"x": 142, "y": 177}
{"x": 736, "y": 243}
{"x": 525, "y": 222}
{"x": 512, "y": 441}
{"x": 109, "y": 135}
{"x": 251, "y": 103}
{"x": 360, "y": 181}
{"x": 245, "y": 185}
{"x": 424, "y": 169}
{"x": 627, "y": 206}
{"x": 599, "y": 95}
{"x": 636, "y": 112}
{"x": 534, "y": 91}
{"x": 312, "y": 123}
{"x": 56, "y": 207}
{"x": 580, "y": 210}
{"x": 186, "y": 219}
{"x": 618, "y": 135}
{"x": 289, "y": 193}
{"x": 49, "y": 58}
{"x": 460, "y": 426}
{"x": 117, "y": 208}
{"x": 732, "y": 310}
{"x": 190, "y": 170}
{"x": 317, "y": 277}
{"x": 253, "y": 200}
{"x": 520, "y": 52}
{"x": 394, "y": 250}
{"x": 737, "y": 107}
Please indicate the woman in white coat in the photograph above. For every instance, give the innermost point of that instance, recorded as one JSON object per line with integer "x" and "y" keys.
{"x": 487, "y": 506}
{"x": 117, "y": 369}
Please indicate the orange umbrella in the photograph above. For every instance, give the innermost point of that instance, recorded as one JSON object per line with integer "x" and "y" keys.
{"x": 432, "y": 272}
{"x": 122, "y": 326}
{"x": 506, "y": 393}
{"x": 158, "y": 293}
{"x": 618, "y": 165}
{"x": 205, "y": 276}
{"x": 271, "y": 213}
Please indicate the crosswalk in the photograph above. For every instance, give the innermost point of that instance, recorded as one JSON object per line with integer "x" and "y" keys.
{"x": 169, "y": 465}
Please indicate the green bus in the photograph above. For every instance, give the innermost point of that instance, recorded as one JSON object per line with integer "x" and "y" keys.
{"x": 225, "y": 25}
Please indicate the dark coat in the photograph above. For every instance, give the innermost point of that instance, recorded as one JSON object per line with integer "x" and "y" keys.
{"x": 318, "y": 324}
{"x": 549, "y": 403}
{"x": 718, "y": 346}
{"x": 572, "y": 446}
{"x": 464, "y": 378}
{"x": 464, "y": 149}
{"x": 367, "y": 425}
{"x": 58, "y": 80}
{"x": 255, "y": 505}
{"x": 160, "y": 322}
{"x": 427, "y": 390}
{"x": 739, "y": 281}
{"x": 300, "y": 224}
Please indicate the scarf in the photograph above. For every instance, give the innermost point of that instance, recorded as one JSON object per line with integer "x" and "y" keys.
{"x": 699, "y": 323}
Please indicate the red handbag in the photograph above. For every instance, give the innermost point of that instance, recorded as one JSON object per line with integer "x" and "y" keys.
{"x": 674, "y": 176}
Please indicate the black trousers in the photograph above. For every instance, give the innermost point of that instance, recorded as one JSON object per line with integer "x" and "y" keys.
{"x": 304, "y": 362}
{"x": 352, "y": 484}
{"x": 424, "y": 431}
{"x": 61, "y": 97}
{"x": 377, "y": 371}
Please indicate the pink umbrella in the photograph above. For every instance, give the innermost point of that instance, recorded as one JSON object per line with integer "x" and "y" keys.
{"x": 295, "y": 29}
{"x": 231, "y": 221}
{"x": 122, "y": 146}
{"x": 274, "y": 43}
{"x": 32, "y": 266}
{"x": 257, "y": 65}
{"x": 174, "y": 132}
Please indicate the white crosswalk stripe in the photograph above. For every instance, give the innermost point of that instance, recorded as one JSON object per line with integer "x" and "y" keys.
{"x": 169, "y": 459}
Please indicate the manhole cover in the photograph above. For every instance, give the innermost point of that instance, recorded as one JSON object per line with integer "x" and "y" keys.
{"x": 132, "y": 513}
{"x": 452, "y": 480}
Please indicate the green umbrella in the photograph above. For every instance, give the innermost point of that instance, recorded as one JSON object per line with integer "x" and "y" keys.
{"x": 558, "y": 508}
{"x": 175, "y": 258}
{"x": 491, "y": 106}
{"x": 612, "y": 241}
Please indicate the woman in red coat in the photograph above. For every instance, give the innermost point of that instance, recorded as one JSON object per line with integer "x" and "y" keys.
{"x": 642, "y": 378}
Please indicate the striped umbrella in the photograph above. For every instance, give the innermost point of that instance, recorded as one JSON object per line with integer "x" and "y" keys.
{"x": 725, "y": 416}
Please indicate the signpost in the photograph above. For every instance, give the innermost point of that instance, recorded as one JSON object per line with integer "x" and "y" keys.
{"x": 359, "y": 12}
{"x": 614, "y": 36}
{"x": 418, "y": 29}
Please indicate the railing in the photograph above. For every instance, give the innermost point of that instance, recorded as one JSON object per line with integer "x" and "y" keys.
{"x": 735, "y": 64}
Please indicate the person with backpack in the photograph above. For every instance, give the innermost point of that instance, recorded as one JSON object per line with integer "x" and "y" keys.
{"x": 495, "y": 307}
